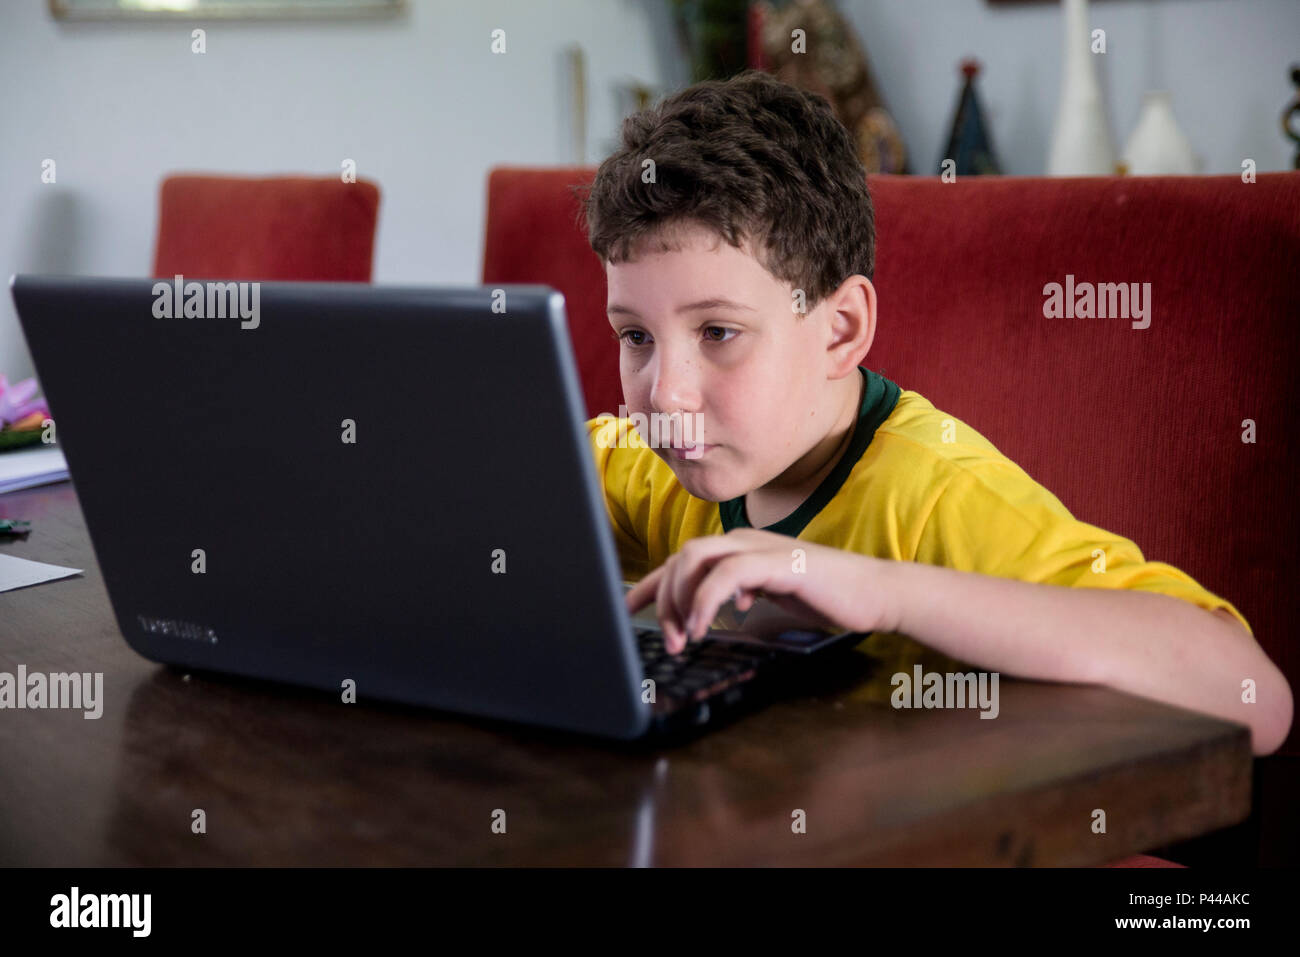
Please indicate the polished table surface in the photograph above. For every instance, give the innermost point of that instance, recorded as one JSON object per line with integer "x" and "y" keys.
{"x": 288, "y": 776}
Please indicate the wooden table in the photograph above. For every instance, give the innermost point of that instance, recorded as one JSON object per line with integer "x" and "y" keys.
{"x": 287, "y": 776}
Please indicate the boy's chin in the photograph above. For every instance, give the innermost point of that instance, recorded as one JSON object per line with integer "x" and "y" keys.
{"x": 700, "y": 485}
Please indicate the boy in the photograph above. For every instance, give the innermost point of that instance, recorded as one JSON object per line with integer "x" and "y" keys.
{"x": 738, "y": 242}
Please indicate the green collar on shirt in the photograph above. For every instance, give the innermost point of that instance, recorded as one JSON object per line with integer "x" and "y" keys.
{"x": 878, "y": 400}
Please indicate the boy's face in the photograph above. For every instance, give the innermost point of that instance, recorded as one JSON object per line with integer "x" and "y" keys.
{"x": 751, "y": 372}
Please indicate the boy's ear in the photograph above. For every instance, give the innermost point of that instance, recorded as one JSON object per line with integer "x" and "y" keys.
{"x": 852, "y": 323}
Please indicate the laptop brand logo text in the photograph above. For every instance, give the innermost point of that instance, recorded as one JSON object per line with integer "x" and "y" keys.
{"x": 175, "y": 628}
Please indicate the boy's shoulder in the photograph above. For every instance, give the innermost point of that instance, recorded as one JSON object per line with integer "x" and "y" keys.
{"x": 934, "y": 440}
{"x": 923, "y": 461}
{"x": 916, "y": 420}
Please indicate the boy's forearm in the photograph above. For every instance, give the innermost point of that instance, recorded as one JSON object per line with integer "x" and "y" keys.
{"x": 1143, "y": 643}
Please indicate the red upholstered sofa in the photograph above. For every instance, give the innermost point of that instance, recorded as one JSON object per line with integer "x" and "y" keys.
{"x": 1136, "y": 430}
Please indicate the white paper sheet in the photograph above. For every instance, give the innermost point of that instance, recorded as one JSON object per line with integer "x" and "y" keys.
{"x": 21, "y": 572}
{"x": 23, "y": 468}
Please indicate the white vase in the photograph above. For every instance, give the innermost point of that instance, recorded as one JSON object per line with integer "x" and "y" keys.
{"x": 1157, "y": 146}
{"x": 1081, "y": 140}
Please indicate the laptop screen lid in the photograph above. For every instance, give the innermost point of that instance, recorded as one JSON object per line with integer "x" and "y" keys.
{"x": 324, "y": 482}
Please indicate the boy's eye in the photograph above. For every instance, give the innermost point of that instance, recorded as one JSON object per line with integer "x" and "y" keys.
{"x": 637, "y": 332}
{"x": 623, "y": 337}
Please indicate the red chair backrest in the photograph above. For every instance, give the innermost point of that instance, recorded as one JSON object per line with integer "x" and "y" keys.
{"x": 288, "y": 228}
{"x": 534, "y": 236}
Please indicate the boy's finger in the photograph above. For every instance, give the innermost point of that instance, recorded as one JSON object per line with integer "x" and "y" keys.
{"x": 682, "y": 576}
{"x": 727, "y": 577}
{"x": 643, "y": 592}
{"x": 674, "y": 637}
{"x": 696, "y": 562}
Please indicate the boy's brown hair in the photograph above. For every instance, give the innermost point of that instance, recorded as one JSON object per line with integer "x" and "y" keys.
{"x": 749, "y": 158}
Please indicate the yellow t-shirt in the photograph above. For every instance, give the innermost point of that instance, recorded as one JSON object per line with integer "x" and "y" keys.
{"x": 915, "y": 484}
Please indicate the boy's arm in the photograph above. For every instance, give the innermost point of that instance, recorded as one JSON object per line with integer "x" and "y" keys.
{"x": 1012, "y": 573}
{"x": 1138, "y": 641}
{"x": 1143, "y": 643}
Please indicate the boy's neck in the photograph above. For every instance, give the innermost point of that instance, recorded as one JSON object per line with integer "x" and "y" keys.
{"x": 774, "y": 501}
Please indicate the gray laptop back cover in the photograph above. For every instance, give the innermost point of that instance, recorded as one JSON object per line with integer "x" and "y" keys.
{"x": 455, "y": 555}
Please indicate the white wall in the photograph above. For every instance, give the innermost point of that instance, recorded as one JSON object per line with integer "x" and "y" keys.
{"x": 419, "y": 102}
{"x": 425, "y": 109}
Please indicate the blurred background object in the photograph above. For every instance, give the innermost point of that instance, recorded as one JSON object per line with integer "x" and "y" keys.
{"x": 222, "y": 9}
{"x": 1293, "y": 111}
{"x": 826, "y": 58}
{"x": 805, "y": 43}
{"x": 22, "y": 415}
{"x": 577, "y": 61}
{"x": 970, "y": 144}
{"x": 714, "y": 36}
{"x": 1081, "y": 140}
{"x": 1157, "y": 146}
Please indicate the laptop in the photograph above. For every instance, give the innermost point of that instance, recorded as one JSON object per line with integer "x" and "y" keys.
{"x": 377, "y": 490}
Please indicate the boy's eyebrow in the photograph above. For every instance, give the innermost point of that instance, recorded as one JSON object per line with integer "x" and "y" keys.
{"x": 717, "y": 302}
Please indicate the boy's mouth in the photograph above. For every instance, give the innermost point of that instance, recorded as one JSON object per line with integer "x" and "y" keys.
{"x": 682, "y": 452}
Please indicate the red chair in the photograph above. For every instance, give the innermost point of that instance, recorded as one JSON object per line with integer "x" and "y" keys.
{"x": 289, "y": 228}
{"x": 1138, "y": 431}
{"x": 533, "y": 236}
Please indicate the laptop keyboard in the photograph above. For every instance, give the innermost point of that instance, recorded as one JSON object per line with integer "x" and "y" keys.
{"x": 703, "y": 669}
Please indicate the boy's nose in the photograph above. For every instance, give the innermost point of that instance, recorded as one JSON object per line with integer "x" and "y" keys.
{"x": 675, "y": 388}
